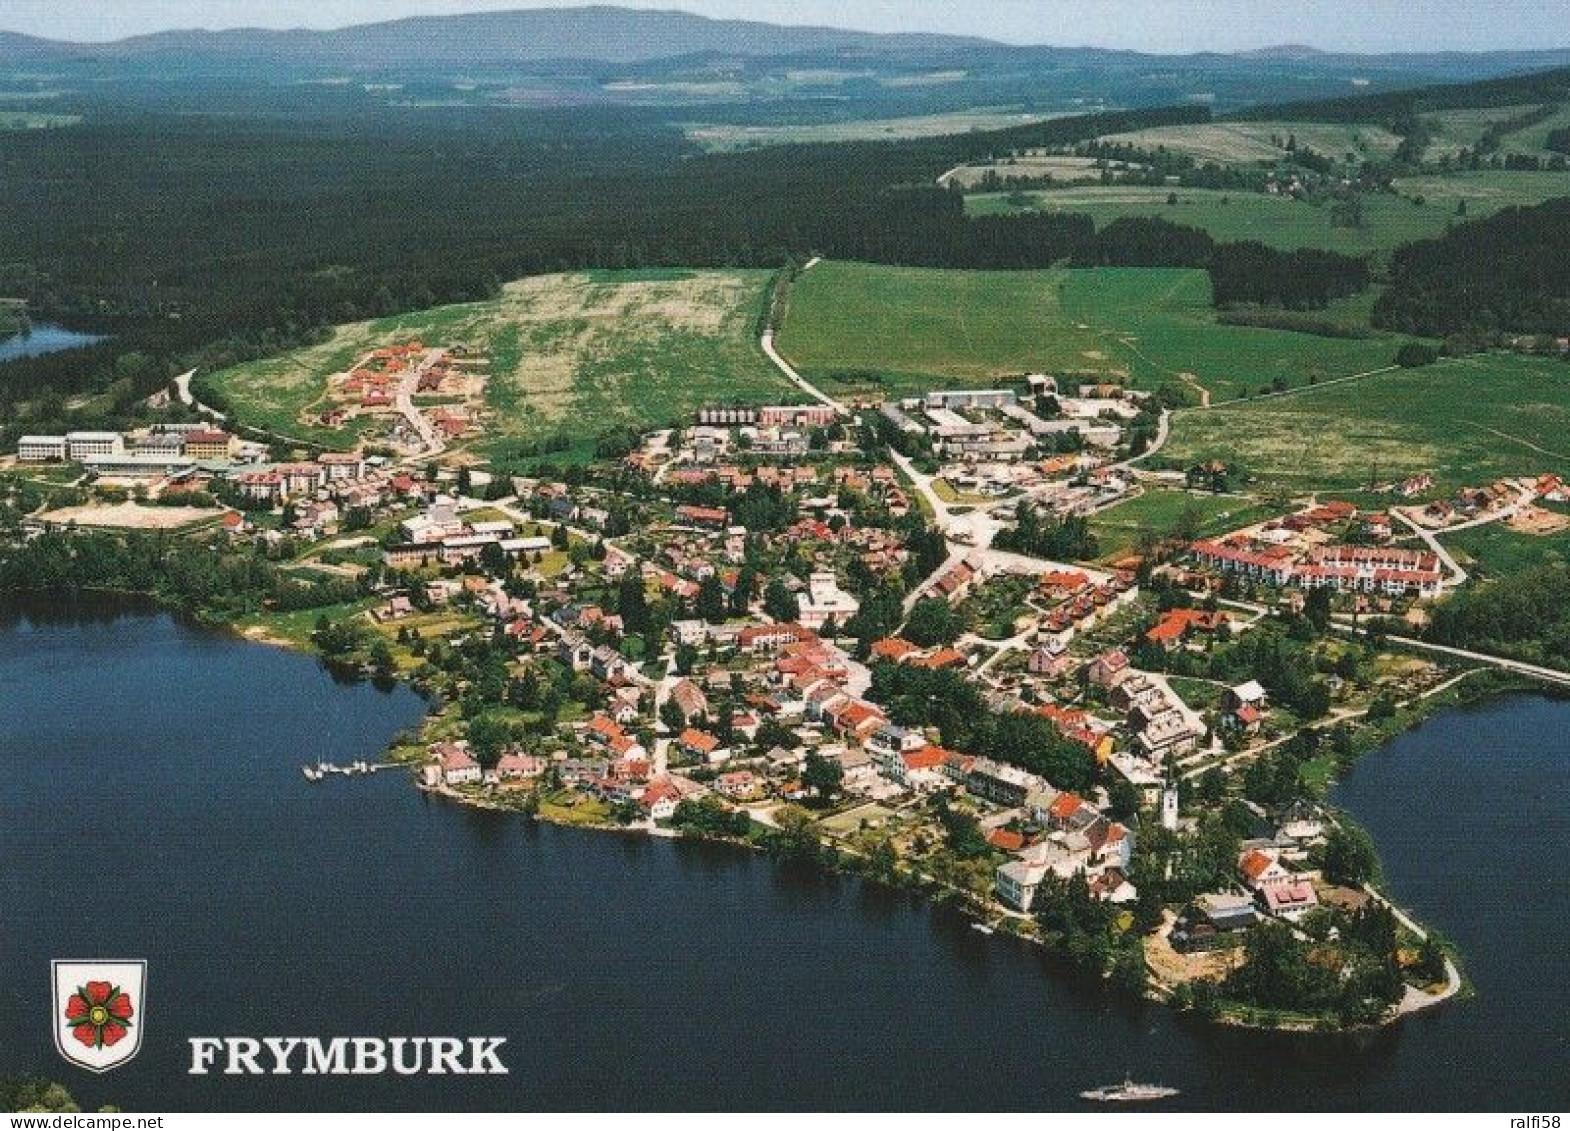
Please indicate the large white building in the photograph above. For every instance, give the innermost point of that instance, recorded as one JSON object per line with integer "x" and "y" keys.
{"x": 40, "y": 449}
{"x": 825, "y": 600}
{"x": 82, "y": 445}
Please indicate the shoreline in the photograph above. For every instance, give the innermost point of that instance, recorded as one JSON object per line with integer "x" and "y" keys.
{"x": 939, "y": 894}
{"x": 1467, "y": 693}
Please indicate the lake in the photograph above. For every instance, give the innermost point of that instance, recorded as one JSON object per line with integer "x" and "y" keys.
{"x": 41, "y": 338}
{"x": 154, "y": 808}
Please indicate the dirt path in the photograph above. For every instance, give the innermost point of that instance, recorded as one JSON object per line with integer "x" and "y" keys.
{"x": 789, "y": 370}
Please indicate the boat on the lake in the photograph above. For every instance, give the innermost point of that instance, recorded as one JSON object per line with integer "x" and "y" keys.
{"x": 1128, "y": 1092}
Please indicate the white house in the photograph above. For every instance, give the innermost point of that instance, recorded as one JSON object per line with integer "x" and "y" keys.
{"x": 458, "y": 766}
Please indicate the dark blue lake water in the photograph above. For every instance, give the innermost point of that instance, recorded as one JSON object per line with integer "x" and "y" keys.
{"x": 153, "y": 807}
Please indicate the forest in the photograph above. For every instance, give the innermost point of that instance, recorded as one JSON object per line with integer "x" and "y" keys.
{"x": 1508, "y": 273}
{"x": 204, "y": 239}
{"x": 200, "y": 240}
{"x": 1525, "y": 616}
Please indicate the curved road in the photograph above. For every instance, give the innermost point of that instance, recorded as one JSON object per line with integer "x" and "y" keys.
{"x": 789, "y": 370}
{"x": 182, "y": 388}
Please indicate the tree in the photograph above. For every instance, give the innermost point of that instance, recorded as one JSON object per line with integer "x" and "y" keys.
{"x": 711, "y": 600}
{"x": 33, "y": 1093}
{"x": 672, "y": 716}
{"x": 488, "y": 737}
{"x": 632, "y": 603}
{"x": 1349, "y": 856}
{"x": 933, "y": 621}
{"x": 824, "y": 776}
{"x": 772, "y": 733}
{"x": 1123, "y": 799}
{"x": 964, "y": 832}
{"x": 1316, "y": 609}
{"x": 779, "y": 602}
{"x": 1413, "y": 355}
{"x": 383, "y": 663}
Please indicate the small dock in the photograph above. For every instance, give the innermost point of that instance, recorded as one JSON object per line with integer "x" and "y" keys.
{"x": 323, "y": 770}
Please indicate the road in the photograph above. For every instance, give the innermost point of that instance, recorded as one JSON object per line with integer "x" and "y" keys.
{"x": 432, "y": 440}
{"x": 1457, "y": 575}
{"x": 1430, "y": 536}
{"x": 789, "y": 370}
{"x": 182, "y": 388}
{"x": 969, "y": 536}
{"x": 1535, "y": 671}
{"x": 1299, "y": 389}
{"x": 1163, "y": 430}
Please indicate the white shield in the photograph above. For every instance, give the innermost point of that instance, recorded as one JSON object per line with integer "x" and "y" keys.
{"x": 100, "y": 1008}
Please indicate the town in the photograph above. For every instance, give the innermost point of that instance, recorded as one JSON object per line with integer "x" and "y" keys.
{"x": 885, "y": 634}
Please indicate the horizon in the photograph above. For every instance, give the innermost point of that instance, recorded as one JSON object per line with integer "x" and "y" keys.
{"x": 1151, "y": 26}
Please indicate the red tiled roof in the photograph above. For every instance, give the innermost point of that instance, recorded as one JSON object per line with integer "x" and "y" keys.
{"x": 1006, "y": 840}
{"x": 694, "y": 739}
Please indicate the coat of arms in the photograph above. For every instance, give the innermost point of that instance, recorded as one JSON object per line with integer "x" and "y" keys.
{"x": 99, "y": 1011}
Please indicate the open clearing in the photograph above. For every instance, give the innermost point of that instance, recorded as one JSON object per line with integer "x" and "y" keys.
{"x": 130, "y": 516}
{"x": 1118, "y": 528}
{"x": 1455, "y": 130}
{"x": 1230, "y": 216}
{"x": 33, "y": 120}
{"x": 1063, "y": 168}
{"x": 570, "y": 356}
{"x": 1236, "y": 143}
{"x": 1485, "y": 191}
{"x": 1468, "y": 421}
{"x": 724, "y": 137}
{"x": 1496, "y": 550}
{"x": 861, "y": 328}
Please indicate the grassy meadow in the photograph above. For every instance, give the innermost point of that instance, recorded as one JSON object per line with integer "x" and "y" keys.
{"x": 1467, "y": 421}
{"x": 1159, "y": 510}
{"x": 726, "y": 137}
{"x": 1278, "y": 221}
{"x": 1247, "y": 143}
{"x": 861, "y": 328}
{"x": 569, "y": 356}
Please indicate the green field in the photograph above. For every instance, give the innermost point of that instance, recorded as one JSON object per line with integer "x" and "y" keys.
{"x": 724, "y": 137}
{"x": 1495, "y": 550}
{"x": 1278, "y": 221}
{"x": 1468, "y": 421}
{"x": 859, "y": 328}
{"x": 1534, "y": 139}
{"x": 570, "y": 355}
{"x": 1240, "y": 143}
{"x": 1454, "y": 130}
{"x": 1485, "y": 191}
{"x": 1118, "y": 528}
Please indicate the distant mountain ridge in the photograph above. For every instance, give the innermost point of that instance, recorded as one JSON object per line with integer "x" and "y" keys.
{"x": 630, "y": 36}
{"x": 601, "y": 34}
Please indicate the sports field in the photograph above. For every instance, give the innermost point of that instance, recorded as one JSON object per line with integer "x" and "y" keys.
{"x": 864, "y": 329}
{"x": 1467, "y": 421}
{"x": 569, "y": 355}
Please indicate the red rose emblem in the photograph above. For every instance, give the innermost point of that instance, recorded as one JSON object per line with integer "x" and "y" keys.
{"x": 99, "y": 1014}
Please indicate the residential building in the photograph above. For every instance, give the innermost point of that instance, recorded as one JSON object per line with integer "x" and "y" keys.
{"x": 41, "y": 449}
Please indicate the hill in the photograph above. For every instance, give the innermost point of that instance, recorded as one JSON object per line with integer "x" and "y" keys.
{"x": 631, "y": 37}
{"x": 897, "y": 330}
{"x": 606, "y": 34}
{"x": 566, "y": 358}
